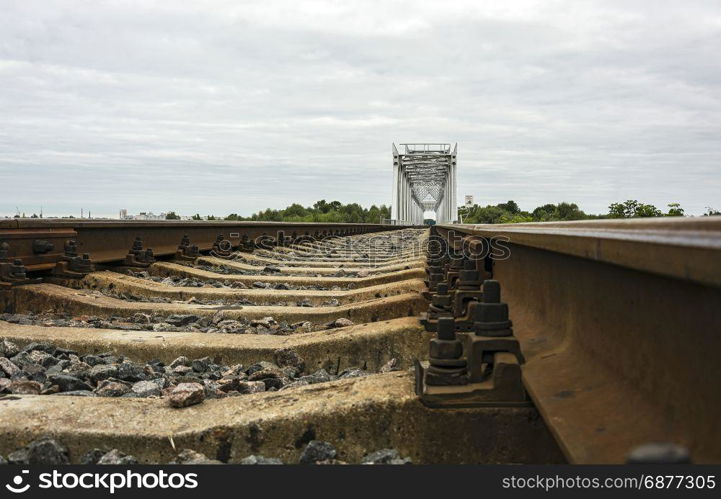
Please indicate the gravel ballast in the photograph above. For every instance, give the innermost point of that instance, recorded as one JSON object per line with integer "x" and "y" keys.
{"x": 44, "y": 369}
{"x": 49, "y": 451}
{"x": 186, "y": 323}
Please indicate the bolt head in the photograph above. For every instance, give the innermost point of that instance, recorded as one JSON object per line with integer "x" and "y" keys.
{"x": 443, "y": 349}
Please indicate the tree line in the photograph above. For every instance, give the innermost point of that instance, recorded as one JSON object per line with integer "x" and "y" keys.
{"x": 508, "y": 212}
{"x": 321, "y": 211}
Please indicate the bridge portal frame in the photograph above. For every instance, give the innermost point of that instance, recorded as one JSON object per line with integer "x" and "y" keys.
{"x": 424, "y": 179}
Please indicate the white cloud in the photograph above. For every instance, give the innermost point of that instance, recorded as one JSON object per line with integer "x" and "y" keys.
{"x": 223, "y": 107}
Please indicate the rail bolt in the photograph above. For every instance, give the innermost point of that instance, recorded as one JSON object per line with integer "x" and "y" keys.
{"x": 490, "y": 317}
{"x": 42, "y": 246}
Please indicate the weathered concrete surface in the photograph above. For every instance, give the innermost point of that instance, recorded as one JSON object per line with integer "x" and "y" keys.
{"x": 169, "y": 269}
{"x": 357, "y": 415}
{"x": 363, "y": 345}
{"x": 330, "y": 270}
{"x": 122, "y": 283}
{"x": 50, "y": 297}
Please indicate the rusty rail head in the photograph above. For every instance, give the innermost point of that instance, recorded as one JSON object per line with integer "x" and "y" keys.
{"x": 686, "y": 248}
{"x": 85, "y": 222}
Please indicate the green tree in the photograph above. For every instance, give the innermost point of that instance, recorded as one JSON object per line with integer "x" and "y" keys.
{"x": 675, "y": 210}
{"x": 295, "y": 210}
{"x": 568, "y": 211}
{"x": 622, "y": 210}
{"x": 196, "y": 217}
{"x": 321, "y": 206}
{"x": 648, "y": 210}
{"x": 561, "y": 211}
{"x": 485, "y": 215}
{"x": 509, "y": 206}
{"x": 373, "y": 215}
{"x": 515, "y": 218}
{"x": 544, "y": 213}
{"x": 323, "y": 211}
{"x": 633, "y": 209}
{"x": 172, "y": 216}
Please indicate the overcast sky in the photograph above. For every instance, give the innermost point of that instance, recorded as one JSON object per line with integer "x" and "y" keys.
{"x": 229, "y": 106}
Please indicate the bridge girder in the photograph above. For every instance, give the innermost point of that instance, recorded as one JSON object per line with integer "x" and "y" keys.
{"x": 424, "y": 179}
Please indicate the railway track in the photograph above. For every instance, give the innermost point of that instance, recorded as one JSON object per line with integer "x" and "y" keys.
{"x": 265, "y": 340}
{"x": 287, "y": 341}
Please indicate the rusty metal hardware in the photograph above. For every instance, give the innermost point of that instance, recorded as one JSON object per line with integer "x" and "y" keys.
{"x": 72, "y": 265}
{"x": 446, "y": 367}
{"x": 139, "y": 257}
{"x": 441, "y": 303}
{"x": 246, "y": 244}
{"x": 467, "y": 288}
{"x": 492, "y": 332}
{"x": 13, "y": 273}
{"x": 463, "y": 297}
{"x": 452, "y": 270}
{"x": 435, "y": 274}
{"x": 488, "y": 317}
{"x": 483, "y": 366}
{"x": 186, "y": 251}
{"x": 70, "y": 248}
{"x": 42, "y": 246}
{"x": 222, "y": 247}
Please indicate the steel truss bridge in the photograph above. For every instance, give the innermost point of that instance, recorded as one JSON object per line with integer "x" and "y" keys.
{"x": 424, "y": 179}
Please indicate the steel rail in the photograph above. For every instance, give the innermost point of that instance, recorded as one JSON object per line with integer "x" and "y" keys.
{"x": 620, "y": 324}
{"x": 684, "y": 248}
{"x": 110, "y": 240}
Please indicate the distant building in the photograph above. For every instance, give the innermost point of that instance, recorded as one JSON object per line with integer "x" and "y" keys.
{"x": 469, "y": 200}
{"x": 149, "y": 216}
{"x": 143, "y": 215}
